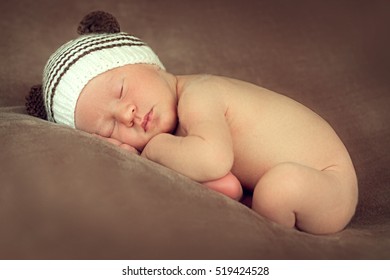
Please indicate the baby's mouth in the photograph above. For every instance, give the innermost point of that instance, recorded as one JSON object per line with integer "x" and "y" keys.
{"x": 147, "y": 119}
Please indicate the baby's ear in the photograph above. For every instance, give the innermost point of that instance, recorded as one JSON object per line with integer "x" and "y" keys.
{"x": 98, "y": 22}
{"x": 35, "y": 105}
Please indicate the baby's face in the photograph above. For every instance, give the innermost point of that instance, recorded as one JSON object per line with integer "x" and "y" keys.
{"x": 130, "y": 104}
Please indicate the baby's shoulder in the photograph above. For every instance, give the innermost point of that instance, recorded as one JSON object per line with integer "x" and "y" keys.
{"x": 199, "y": 94}
{"x": 200, "y": 82}
{"x": 198, "y": 90}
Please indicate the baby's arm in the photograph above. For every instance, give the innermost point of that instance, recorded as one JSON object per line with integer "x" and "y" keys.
{"x": 191, "y": 156}
{"x": 194, "y": 163}
{"x": 206, "y": 152}
{"x": 228, "y": 185}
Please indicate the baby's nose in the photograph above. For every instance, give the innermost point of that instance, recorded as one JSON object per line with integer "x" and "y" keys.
{"x": 126, "y": 114}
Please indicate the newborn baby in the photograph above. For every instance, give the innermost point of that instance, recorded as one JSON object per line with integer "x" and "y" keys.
{"x": 219, "y": 131}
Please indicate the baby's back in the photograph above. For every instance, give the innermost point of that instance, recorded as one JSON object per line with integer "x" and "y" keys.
{"x": 268, "y": 128}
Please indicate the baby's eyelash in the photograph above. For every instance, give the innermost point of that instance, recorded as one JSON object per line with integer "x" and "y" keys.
{"x": 121, "y": 93}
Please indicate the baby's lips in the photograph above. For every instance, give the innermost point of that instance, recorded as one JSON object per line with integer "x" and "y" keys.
{"x": 146, "y": 120}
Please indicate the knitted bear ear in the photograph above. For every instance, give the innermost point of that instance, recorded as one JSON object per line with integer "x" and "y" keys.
{"x": 98, "y": 22}
{"x": 35, "y": 104}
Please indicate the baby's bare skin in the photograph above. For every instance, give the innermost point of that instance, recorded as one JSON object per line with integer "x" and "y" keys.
{"x": 300, "y": 171}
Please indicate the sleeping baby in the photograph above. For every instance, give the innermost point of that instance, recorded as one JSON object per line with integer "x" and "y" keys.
{"x": 222, "y": 132}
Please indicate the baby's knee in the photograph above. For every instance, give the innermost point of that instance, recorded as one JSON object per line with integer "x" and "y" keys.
{"x": 295, "y": 195}
{"x": 276, "y": 194}
{"x": 281, "y": 184}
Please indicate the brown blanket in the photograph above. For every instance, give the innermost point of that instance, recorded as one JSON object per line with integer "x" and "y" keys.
{"x": 67, "y": 195}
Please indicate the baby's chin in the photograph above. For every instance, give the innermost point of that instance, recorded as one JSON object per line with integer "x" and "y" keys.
{"x": 169, "y": 125}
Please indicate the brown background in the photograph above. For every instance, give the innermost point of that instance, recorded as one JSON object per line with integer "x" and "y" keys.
{"x": 332, "y": 56}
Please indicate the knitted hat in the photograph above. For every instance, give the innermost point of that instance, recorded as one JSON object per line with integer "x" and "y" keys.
{"x": 101, "y": 47}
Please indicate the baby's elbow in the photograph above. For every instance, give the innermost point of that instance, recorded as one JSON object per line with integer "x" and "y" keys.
{"x": 217, "y": 165}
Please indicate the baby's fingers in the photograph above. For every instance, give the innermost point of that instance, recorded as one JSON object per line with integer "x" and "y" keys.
{"x": 118, "y": 143}
{"x": 129, "y": 148}
{"x": 110, "y": 140}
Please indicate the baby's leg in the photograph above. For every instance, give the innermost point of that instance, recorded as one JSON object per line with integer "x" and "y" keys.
{"x": 314, "y": 201}
{"x": 228, "y": 185}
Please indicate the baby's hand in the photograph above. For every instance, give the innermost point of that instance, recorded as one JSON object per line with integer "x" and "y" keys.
{"x": 119, "y": 144}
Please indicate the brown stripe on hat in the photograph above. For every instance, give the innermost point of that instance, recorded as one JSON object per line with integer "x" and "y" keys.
{"x": 60, "y": 53}
{"x": 57, "y": 59}
{"x": 79, "y": 46}
{"x": 86, "y": 40}
{"x": 72, "y": 62}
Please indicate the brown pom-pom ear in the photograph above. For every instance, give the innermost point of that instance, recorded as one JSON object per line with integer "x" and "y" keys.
{"x": 35, "y": 105}
{"x": 98, "y": 22}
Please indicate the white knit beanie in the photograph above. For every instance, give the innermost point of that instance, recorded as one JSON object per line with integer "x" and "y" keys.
{"x": 75, "y": 63}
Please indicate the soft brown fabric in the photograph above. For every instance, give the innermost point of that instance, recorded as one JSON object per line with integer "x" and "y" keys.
{"x": 67, "y": 195}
